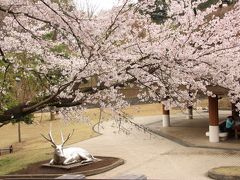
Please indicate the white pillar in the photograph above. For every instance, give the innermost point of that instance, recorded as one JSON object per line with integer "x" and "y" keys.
{"x": 213, "y": 134}
{"x": 165, "y": 120}
{"x": 165, "y": 117}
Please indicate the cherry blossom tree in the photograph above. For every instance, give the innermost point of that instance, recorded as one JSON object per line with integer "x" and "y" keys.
{"x": 192, "y": 50}
{"x": 65, "y": 48}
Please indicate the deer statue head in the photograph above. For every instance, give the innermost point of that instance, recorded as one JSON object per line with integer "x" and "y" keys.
{"x": 59, "y": 155}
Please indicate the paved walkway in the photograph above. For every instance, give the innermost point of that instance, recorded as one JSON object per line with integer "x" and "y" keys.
{"x": 155, "y": 156}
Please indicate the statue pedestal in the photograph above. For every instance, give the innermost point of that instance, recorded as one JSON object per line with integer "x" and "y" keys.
{"x": 43, "y": 170}
{"x": 69, "y": 166}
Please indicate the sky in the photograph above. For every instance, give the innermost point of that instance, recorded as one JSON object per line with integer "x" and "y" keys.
{"x": 98, "y": 5}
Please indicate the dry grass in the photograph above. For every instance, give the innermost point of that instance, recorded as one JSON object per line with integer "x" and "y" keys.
{"x": 144, "y": 109}
{"x": 147, "y": 110}
{"x": 31, "y": 133}
{"x": 223, "y": 103}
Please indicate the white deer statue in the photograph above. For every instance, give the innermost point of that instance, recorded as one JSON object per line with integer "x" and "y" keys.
{"x": 65, "y": 156}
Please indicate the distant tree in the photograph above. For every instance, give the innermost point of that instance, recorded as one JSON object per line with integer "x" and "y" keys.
{"x": 159, "y": 14}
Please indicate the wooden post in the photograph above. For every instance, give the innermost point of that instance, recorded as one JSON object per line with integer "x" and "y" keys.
{"x": 165, "y": 117}
{"x": 10, "y": 149}
{"x": 213, "y": 119}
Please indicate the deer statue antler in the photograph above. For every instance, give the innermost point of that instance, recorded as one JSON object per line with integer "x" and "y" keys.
{"x": 69, "y": 135}
{"x": 50, "y": 139}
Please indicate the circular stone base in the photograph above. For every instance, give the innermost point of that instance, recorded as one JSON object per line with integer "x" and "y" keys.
{"x": 37, "y": 171}
{"x": 225, "y": 173}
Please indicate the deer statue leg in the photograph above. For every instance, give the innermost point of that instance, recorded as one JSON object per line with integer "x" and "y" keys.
{"x": 51, "y": 162}
{"x": 69, "y": 161}
{"x": 72, "y": 159}
{"x": 86, "y": 159}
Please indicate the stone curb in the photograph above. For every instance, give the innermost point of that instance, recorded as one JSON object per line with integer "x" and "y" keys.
{"x": 223, "y": 176}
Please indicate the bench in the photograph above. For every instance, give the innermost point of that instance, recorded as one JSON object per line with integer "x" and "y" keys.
{"x": 6, "y": 150}
{"x": 222, "y": 135}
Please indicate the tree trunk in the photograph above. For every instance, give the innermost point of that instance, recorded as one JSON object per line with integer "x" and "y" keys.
{"x": 19, "y": 132}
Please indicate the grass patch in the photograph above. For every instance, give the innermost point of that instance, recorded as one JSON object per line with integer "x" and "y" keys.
{"x": 5, "y": 161}
{"x": 227, "y": 171}
{"x": 19, "y": 160}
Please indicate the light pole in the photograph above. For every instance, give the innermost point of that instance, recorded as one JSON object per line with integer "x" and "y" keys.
{"x": 17, "y": 96}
